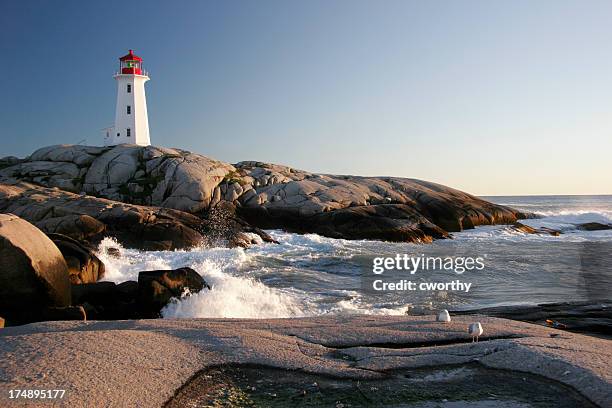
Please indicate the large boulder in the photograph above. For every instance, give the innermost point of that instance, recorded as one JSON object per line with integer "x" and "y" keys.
{"x": 157, "y": 288}
{"x": 33, "y": 273}
{"x": 107, "y": 300}
{"x": 186, "y": 180}
{"x": 111, "y": 170}
{"x": 83, "y": 264}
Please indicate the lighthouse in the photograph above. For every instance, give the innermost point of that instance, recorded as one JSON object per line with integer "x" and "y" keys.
{"x": 131, "y": 120}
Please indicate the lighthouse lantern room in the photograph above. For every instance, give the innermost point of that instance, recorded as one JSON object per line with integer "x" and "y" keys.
{"x": 131, "y": 120}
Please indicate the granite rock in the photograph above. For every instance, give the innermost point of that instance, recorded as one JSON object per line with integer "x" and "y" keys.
{"x": 33, "y": 273}
{"x": 147, "y": 362}
{"x": 84, "y": 266}
{"x": 268, "y": 195}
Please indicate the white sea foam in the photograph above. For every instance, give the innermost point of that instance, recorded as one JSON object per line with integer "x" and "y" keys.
{"x": 230, "y": 296}
{"x": 568, "y": 221}
{"x": 577, "y": 217}
{"x": 233, "y": 293}
{"x": 126, "y": 265}
{"x": 234, "y": 297}
{"x": 308, "y": 275}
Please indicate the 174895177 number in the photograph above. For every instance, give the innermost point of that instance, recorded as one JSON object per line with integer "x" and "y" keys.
{"x": 36, "y": 394}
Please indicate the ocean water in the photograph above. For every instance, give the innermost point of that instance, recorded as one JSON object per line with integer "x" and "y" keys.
{"x": 308, "y": 275}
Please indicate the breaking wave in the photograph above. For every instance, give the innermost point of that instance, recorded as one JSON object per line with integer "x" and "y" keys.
{"x": 310, "y": 275}
{"x": 237, "y": 292}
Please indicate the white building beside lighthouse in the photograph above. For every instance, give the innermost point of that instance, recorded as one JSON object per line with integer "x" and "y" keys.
{"x": 131, "y": 119}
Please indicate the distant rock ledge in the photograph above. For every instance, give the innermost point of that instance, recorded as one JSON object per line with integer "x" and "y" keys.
{"x": 265, "y": 195}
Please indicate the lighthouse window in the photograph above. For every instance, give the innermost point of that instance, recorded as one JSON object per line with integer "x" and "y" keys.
{"x": 129, "y": 88}
{"x": 129, "y": 110}
{"x": 128, "y": 132}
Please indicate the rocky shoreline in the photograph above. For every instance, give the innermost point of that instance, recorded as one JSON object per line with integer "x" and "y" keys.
{"x": 67, "y": 329}
{"x": 156, "y": 362}
{"x": 54, "y": 277}
{"x": 87, "y": 218}
{"x": 156, "y": 188}
{"x": 119, "y": 360}
{"x": 61, "y": 201}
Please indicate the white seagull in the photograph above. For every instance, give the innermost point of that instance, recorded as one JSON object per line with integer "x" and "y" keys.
{"x": 475, "y": 329}
{"x": 443, "y": 316}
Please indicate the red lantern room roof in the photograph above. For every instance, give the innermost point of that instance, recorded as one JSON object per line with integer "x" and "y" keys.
{"x": 130, "y": 57}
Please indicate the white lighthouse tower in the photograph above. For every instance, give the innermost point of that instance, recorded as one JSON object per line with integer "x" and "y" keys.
{"x": 131, "y": 120}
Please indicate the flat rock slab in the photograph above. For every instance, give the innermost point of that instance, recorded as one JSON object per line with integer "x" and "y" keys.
{"x": 145, "y": 362}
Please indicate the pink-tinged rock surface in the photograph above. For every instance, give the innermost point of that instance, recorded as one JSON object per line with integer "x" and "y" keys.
{"x": 143, "y": 363}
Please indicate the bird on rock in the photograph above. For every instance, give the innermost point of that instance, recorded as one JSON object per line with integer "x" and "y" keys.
{"x": 475, "y": 329}
{"x": 443, "y": 316}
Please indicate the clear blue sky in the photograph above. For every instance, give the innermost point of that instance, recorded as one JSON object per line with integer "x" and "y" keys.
{"x": 491, "y": 97}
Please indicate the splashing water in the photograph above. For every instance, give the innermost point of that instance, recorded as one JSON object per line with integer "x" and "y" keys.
{"x": 309, "y": 275}
{"x": 232, "y": 296}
